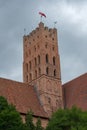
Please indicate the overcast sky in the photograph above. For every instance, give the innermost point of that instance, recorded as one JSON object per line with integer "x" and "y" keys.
{"x": 71, "y": 17}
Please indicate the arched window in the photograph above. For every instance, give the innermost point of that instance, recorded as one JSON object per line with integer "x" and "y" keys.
{"x": 47, "y": 70}
{"x": 55, "y": 72}
{"x": 27, "y": 78}
{"x": 47, "y": 60}
{"x": 30, "y": 76}
{"x": 49, "y": 100}
{"x": 30, "y": 64}
{"x": 35, "y": 61}
{"x": 38, "y": 59}
{"x": 26, "y": 66}
{"x": 35, "y": 74}
{"x": 53, "y": 60}
{"x": 39, "y": 71}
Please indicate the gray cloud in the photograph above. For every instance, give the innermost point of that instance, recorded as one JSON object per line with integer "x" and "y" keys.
{"x": 72, "y": 34}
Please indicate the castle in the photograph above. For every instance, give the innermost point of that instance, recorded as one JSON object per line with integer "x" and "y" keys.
{"x": 42, "y": 90}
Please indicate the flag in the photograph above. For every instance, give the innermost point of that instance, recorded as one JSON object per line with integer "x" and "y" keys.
{"x": 42, "y": 14}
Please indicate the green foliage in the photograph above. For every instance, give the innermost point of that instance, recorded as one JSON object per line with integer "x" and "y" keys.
{"x": 3, "y": 103}
{"x": 29, "y": 121}
{"x": 9, "y": 118}
{"x": 38, "y": 125}
{"x": 68, "y": 119}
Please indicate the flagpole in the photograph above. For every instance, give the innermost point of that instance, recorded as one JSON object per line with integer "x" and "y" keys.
{"x": 41, "y": 18}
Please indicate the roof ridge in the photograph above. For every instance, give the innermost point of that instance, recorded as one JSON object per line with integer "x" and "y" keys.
{"x": 75, "y": 78}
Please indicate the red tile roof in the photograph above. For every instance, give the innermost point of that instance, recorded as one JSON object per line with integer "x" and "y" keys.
{"x": 22, "y": 95}
{"x": 75, "y": 92}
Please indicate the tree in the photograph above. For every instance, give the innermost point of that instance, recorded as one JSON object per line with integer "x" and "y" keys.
{"x": 38, "y": 125}
{"x": 9, "y": 118}
{"x": 29, "y": 121}
{"x": 68, "y": 119}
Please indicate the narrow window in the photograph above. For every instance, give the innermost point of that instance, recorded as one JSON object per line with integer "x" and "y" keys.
{"x": 57, "y": 102}
{"x": 30, "y": 64}
{"x": 26, "y": 66}
{"x": 47, "y": 58}
{"x": 38, "y": 59}
{"x": 46, "y": 46}
{"x": 34, "y": 48}
{"x": 53, "y": 60}
{"x": 30, "y": 76}
{"x": 47, "y": 70}
{"x": 53, "y": 48}
{"x": 55, "y": 72}
{"x": 35, "y": 74}
{"x": 49, "y": 100}
{"x": 53, "y": 39}
{"x": 39, "y": 71}
{"x": 35, "y": 61}
{"x": 27, "y": 78}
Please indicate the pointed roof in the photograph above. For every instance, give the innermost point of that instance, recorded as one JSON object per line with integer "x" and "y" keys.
{"x": 75, "y": 92}
{"x": 22, "y": 96}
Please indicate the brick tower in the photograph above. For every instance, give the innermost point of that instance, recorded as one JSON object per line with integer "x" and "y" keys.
{"x": 41, "y": 66}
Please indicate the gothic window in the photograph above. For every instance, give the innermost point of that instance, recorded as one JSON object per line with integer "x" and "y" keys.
{"x": 30, "y": 64}
{"x": 35, "y": 61}
{"x": 27, "y": 78}
{"x": 26, "y": 54}
{"x": 39, "y": 71}
{"x": 47, "y": 70}
{"x": 34, "y": 48}
{"x": 57, "y": 102}
{"x": 38, "y": 59}
{"x": 38, "y": 46}
{"x": 55, "y": 72}
{"x": 47, "y": 60}
{"x": 49, "y": 100}
{"x": 35, "y": 74}
{"x": 54, "y": 61}
{"x": 53, "y": 39}
{"x": 26, "y": 66}
{"x": 53, "y": 48}
{"x": 30, "y": 76}
{"x": 45, "y": 45}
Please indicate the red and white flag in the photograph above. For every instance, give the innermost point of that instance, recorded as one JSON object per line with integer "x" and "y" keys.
{"x": 42, "y": 14}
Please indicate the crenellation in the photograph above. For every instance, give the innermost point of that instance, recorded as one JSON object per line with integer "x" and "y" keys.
{"x": 46, "y": 28}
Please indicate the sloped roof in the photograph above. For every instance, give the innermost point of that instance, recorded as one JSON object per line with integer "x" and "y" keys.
{"x": 75, "y": 92}
{"x": 22, "y": 96}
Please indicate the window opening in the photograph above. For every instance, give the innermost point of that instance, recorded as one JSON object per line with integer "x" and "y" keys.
{"x": 46, "y": 58}
{"x": 53, "y": 60}
{"x": 55, "y": 72}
